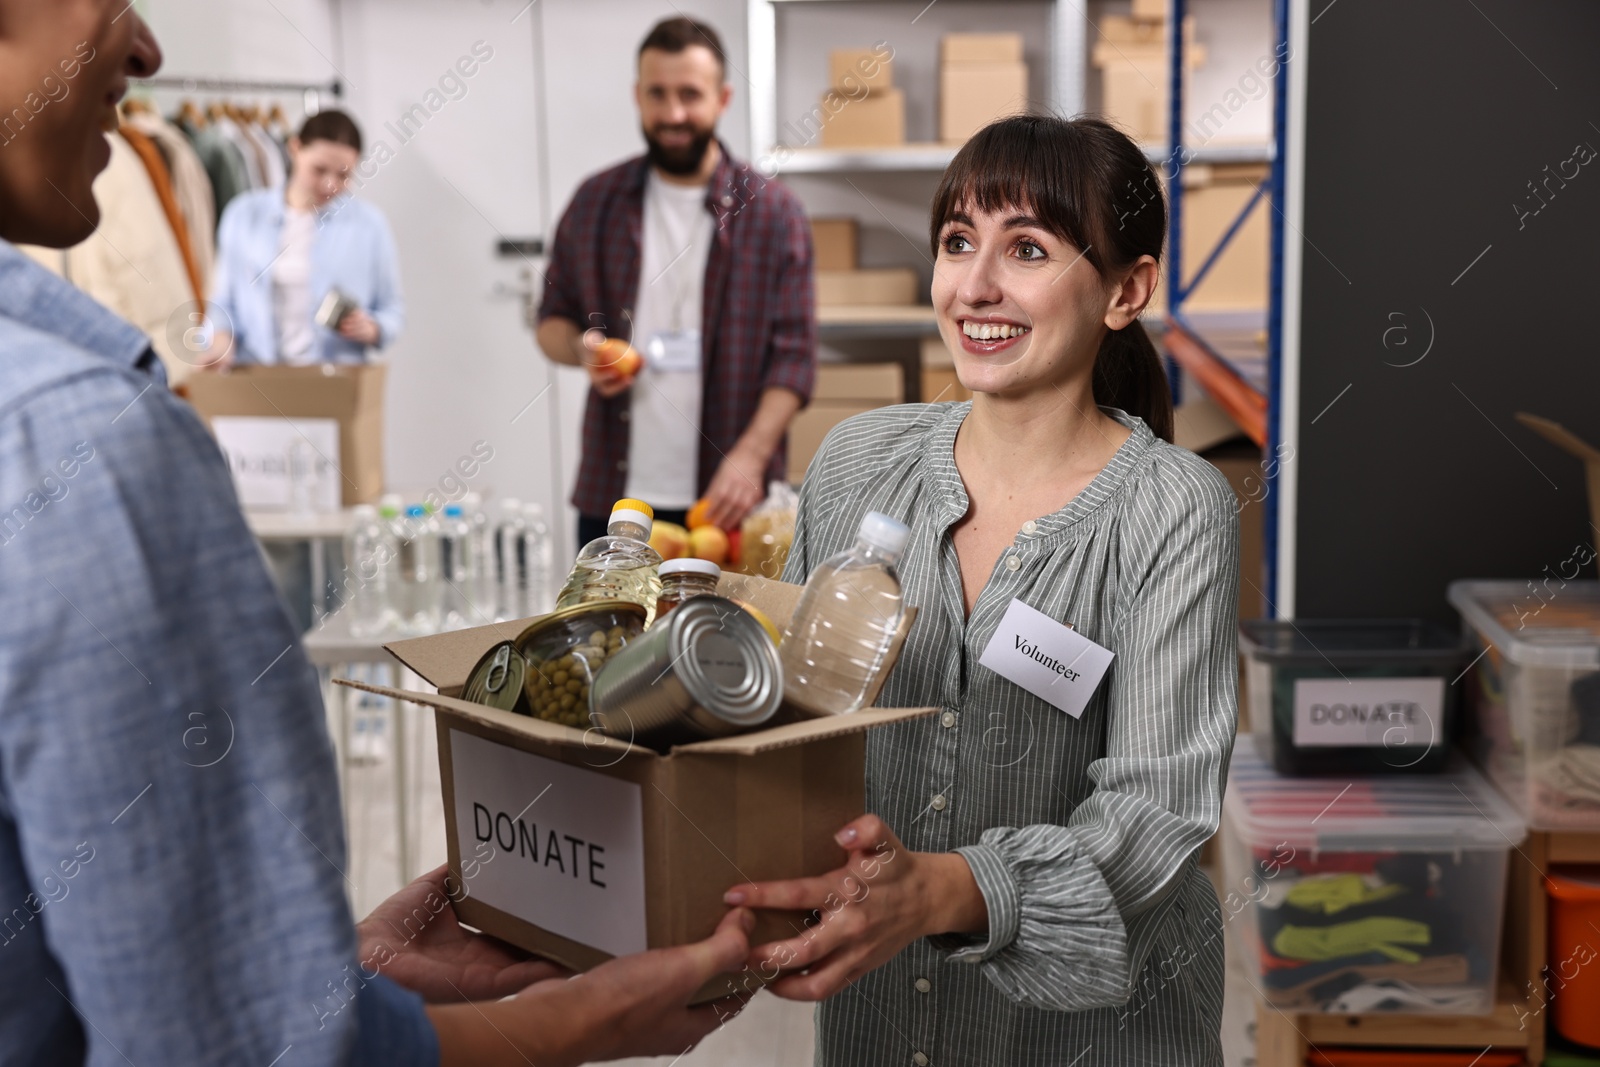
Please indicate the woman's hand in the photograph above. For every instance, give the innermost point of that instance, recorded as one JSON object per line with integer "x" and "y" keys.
{"x": 414, "y": 939}
{"x": 361, "y": 328}
{"x": 881, "y": 900}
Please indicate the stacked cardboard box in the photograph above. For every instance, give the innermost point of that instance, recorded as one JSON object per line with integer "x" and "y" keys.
{"x": 981, "y": 78}
{"x": 1132, "y": 58}
{"x": 939, "y": 381}
{"x": 842, "y": 390}
{"x": 1213, "y": 196}
{"x": 862, "y": 108}
{"x": 834, "y": 243}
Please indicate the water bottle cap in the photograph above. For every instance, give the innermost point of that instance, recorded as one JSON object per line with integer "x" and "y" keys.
{"x": 416, "y": 511}
{"x": 880, "y": 531}
{"x": 690, "y": 566}
{"x": 629, "y": 504}
{"x": 641, "y": 518}
{"x": 452, "y": 511}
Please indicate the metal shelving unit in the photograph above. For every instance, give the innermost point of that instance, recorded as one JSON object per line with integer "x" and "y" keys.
{"x": 1224, "y": 353}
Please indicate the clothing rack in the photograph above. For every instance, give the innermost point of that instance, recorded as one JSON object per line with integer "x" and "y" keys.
{"x": 311, "y": 91}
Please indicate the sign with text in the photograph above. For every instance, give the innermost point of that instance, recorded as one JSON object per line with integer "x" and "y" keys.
{"x": 1368, "y": 712}
{"x": 555, "y": 845}
{"x": 1053, "y": 662}
{"x": 282, "y": 463}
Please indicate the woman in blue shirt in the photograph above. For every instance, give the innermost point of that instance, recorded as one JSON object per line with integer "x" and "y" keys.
{"x": 280, "y": 252}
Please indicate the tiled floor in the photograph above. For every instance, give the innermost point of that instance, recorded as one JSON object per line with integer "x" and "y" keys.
{"x": 769, "y": 1033}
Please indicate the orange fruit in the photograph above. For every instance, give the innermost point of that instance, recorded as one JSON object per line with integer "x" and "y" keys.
{"x": 697, "y": 514}
{"x": 709, "y": 542}
{"x": 618, "y": 356}
{"x": 761, "y": 617}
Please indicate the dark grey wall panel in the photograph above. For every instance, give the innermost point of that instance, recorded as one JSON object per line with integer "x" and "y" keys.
{"x": 1426, "y": 121}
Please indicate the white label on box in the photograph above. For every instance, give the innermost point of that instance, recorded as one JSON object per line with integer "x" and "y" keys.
{"x": 1368, "y": 712}
{"x": 266, "y": 455}
{"x": 1053, "y": 662}
{"x": 558, "y": 846}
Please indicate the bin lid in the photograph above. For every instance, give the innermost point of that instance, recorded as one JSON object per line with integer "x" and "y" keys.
{"x": 1355, "y": 642}
{"x": 1450, "y": 810}
{"x": 1557, "y": 626}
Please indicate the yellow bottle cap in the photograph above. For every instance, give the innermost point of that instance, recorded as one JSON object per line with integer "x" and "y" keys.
{"x": 628, "y": 504}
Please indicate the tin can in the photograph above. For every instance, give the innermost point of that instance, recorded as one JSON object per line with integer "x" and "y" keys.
{"x": 705, "y": 670}
{"x": 497, "y": 679}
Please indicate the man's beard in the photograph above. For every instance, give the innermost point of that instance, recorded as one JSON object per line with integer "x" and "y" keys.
{"x": 680, "y": 161}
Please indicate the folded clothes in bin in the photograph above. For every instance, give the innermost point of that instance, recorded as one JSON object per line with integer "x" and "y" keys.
{"x": 1387, "y": 890}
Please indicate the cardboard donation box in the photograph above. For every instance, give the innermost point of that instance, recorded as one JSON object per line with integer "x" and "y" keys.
{"x": 262, "y": 415}
{"x": 579, "y": 846}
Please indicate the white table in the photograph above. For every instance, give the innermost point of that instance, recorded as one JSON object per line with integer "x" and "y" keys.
{"x": 317, "y": 529}
{"x": 330, "y": 645}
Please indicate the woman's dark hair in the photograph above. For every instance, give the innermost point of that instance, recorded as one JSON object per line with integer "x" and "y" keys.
{"x": 1089, "y": 184}
{"x": 333, "y": 126}
{"x": 675, "y": 34}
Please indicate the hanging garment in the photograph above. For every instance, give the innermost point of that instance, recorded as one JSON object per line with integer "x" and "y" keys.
{"x": 248, "y": 150}
{"x": 272, "y": 165}
{"x": 1375, "y": 934}
{"x": 223, "y": 162}
{"x": 161, "y": 180}
{"x": 132, "y": 263}
{"x": 192, "y": 187}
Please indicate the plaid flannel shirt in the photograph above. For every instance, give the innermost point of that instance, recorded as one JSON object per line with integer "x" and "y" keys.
{"x": 758, "y": 327}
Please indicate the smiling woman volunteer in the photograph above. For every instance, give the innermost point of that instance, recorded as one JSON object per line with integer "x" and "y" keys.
{"x": 1041, "y": 903}
{"x": 280, "y": 252}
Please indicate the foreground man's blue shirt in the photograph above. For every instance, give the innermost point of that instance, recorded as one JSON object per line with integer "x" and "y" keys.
{"x": 170, "y": 839}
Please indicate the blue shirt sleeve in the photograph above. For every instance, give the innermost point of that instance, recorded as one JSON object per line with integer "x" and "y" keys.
{"x": 162, "y": 738}
{"x": 388, "y": 303}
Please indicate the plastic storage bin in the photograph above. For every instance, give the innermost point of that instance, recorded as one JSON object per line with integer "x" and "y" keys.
{"x": 1574, "y": 960}
{"x": 1383, "y": 893}
{"x": 1360, "y": 696}
{"x": 1533, "y": 695}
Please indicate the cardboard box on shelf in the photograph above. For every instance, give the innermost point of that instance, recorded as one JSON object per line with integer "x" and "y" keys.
{"x": 842, "y": 390}
{"x": 852, "y": 70}
{"x": 350, "y": 395}
{"x": 1213, "y": 196}
{"x": 980, "y": 48}
{"x": 1150, "y": 10}
{"x": 1132, "y": 60}
{"x": 848, "y": 288}
{"x": 939, "y": 380}
{"x": 578, "y": 846}
{"x": 972, "y": 95}
{"x": 877, "y": 120}
{"x": 834, "y": 243}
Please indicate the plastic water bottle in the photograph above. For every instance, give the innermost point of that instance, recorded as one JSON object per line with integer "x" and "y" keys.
{"x": 509, "y": 572}
{"x": 839, "y": 635}
{"x": 418, "y": 542}
{"x": 458, "y": 569}
{"x": 371, "y": 565}
{"x": 620, "y": 565}
{"x": 538, "y": 561}
{"x": 484, "y": 590}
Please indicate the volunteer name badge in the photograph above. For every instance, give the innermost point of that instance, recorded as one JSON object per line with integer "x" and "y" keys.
{"x": 674, "y": 350}
{"x": 1053, "y": 662}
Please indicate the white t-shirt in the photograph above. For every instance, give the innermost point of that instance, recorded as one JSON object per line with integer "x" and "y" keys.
{"x": 291, "y": 288}
{"x": 664, "y": 433}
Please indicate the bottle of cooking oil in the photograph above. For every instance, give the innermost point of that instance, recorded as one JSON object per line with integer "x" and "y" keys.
{"x": 619, "y": 566}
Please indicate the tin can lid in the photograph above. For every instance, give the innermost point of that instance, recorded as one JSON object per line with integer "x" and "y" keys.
{"x": 561, "y": 616}
{"x": 725, "y": 660}
{"x": 497, "y": 678}
{"x": 690, "y": 566}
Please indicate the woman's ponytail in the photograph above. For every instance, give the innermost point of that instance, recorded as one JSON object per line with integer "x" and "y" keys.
{"x": 1129, "y": 374}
